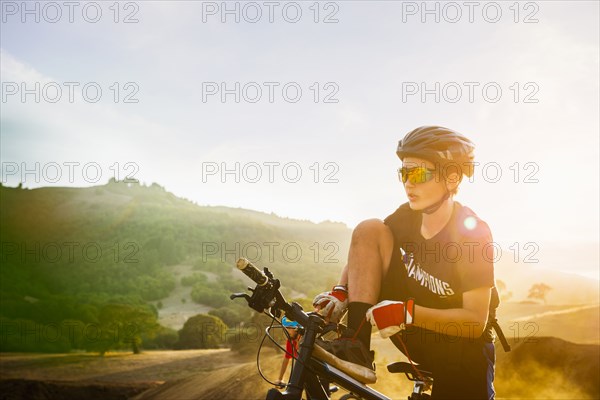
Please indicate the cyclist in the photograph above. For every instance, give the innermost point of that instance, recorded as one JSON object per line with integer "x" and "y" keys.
{"x": 294, "y": 337}
{"x": 424, "y": 276}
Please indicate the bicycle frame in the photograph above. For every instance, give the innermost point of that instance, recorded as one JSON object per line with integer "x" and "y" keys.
{"x": 308, "y": 372}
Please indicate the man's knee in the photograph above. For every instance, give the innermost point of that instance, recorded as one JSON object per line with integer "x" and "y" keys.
{"x": 371, "y": 231}
{"x": 375, "y": 235}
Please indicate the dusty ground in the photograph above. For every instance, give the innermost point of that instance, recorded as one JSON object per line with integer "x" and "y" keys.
{"x": 114, "y": 376}
{"x": 552, "y": 366}
{"x": 150, "y": 366}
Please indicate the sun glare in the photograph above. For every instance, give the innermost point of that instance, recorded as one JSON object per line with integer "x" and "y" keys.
{"x": 470, "y": 223}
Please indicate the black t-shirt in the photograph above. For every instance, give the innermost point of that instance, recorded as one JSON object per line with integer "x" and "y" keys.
{"x": 437, "y": 271}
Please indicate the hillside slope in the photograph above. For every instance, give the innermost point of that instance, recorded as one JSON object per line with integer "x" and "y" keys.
{"x": 68, "y": 252}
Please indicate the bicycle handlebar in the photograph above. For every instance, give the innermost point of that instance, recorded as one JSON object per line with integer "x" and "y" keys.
{"x": 252, "y": 272}
{"x": 266, "y": 294}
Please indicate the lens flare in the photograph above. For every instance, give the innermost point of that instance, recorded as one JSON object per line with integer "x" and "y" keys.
{"x": 470, "y": 223}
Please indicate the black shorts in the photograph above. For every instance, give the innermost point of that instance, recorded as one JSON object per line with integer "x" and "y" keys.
{"x": 474, "y": 378}
{"x": 462, "y": 368}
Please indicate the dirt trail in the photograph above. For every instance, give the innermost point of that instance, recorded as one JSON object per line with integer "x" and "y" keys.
{"x": 557, "y": 312}
{"x": 114, "y": 376}
{"x": 231, "y": 383}
{"x": 222, "y": 374}
{"x": 155, "y": 366}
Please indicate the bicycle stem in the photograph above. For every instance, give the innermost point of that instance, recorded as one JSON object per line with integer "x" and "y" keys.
{"x": 297, "y": 379}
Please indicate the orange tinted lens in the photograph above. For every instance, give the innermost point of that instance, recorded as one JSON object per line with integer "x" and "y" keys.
{"x": 415, "y": 175}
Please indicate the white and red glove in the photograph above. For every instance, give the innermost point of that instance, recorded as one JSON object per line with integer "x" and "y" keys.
{"x": 333, "y": 304}
{"x": 390, "y": 317}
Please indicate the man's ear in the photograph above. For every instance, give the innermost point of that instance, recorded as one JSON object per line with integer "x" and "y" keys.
{"x": 452, "y": 182}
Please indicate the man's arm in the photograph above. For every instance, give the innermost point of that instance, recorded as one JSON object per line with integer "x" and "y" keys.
{"x": 468, "y": 321}
{"x": 284, "y": 365}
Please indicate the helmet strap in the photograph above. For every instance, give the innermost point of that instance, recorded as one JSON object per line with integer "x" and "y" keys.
{"x": 435, "y": 206}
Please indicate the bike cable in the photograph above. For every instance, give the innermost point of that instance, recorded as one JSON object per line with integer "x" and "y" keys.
{"x": 258, "y": 353}
{"x": 418, "y": 372}
{"x": 267, "y": 334}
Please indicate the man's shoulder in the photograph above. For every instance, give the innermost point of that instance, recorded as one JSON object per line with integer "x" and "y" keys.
{"x": 470, "y": 225}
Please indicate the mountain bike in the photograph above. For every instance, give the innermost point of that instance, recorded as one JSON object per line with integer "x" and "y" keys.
{"x": 310, "y": 375}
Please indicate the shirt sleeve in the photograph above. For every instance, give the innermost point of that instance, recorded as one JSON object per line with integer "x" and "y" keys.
{"x": 289, "y": 349}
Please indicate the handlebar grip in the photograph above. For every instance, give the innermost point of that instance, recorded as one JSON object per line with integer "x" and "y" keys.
{"x": 252, "y": 272}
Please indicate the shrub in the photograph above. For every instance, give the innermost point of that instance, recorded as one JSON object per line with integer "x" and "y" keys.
{"x": 201, "y": 332}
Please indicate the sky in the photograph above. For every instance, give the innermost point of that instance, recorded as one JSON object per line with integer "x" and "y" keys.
{"x": 296, "y": 108}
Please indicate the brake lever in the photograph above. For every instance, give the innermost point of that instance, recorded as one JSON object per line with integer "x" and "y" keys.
{"x": 237, "y": 295}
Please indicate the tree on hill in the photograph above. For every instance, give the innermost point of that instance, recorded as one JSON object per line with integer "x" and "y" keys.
{"x": 201, "y": 332}
{"x": 233, "y": 314}
{"x": 123, "y": 325}
{"x": 210, "y": 295}
{"x": 538, "y": 291}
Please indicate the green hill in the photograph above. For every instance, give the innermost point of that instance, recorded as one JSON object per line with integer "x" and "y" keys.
{"x": 68, "y": 253}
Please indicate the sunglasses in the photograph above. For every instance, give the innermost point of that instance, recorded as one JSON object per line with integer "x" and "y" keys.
{"x": 415, "y": 175}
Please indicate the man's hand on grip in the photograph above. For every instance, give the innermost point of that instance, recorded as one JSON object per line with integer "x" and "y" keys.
{"x": 332, "y": 305}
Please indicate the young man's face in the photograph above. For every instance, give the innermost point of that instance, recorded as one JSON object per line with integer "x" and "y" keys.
{"x": 426, "y": 183}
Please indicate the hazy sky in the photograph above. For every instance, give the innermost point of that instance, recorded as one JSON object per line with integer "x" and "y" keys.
{"x": 361, "y": 77}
